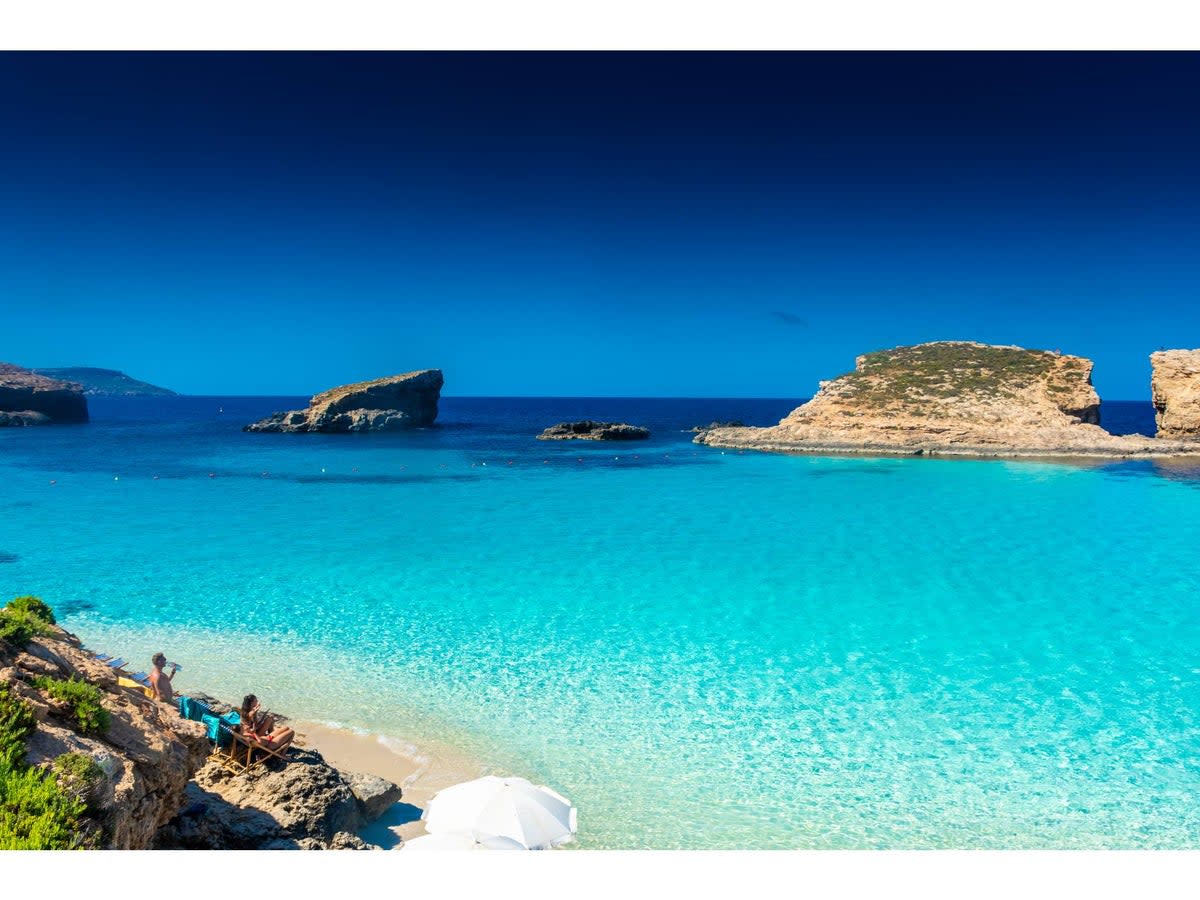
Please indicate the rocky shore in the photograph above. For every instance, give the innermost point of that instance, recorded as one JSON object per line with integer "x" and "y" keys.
{"x": 962, "y": 398}
{"x": 131, "y": 774}
{"x": 385, "y": 404}
{"x": 27, "y": 398}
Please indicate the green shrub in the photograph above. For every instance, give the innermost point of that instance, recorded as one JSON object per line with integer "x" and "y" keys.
{"x": 77, "y": 773}
{"x": 17, "y": 722}
{"x": 34, "y": 606}
{"x": 36, "y": 813}
{"x": 83, "y": 698}
{"x": 18, "y": 626}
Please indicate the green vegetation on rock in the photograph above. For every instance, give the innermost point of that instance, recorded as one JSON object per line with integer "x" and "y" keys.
{"x": 24, "y": 618}
{"x": 83, "y": 698}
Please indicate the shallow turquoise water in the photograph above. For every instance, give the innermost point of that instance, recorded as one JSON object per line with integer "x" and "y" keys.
{"x": 701, "y": 650}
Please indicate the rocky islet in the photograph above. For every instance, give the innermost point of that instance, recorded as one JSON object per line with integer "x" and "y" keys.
{"x": 588, "y": 430}
{"x": 393, "y": 403}
{"x": 972, "y": 399}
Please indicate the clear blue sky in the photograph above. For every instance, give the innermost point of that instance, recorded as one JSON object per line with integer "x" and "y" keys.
{"x": 592, "y": 224}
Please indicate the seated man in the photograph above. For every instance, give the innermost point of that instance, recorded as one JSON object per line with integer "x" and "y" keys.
{"x": 160, "y": 681}
{"x": 258, "y": 725}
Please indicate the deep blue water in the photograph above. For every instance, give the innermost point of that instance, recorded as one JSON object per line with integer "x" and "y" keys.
{"x": 700, "y": 648}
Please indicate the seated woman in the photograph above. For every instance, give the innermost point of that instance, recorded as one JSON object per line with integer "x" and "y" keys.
{"x": 259, "y": 725}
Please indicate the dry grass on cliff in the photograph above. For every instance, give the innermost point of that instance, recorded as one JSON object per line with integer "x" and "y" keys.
{"x": 910, "y": 376}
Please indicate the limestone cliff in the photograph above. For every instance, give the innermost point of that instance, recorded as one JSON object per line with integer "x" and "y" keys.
{"x": 143, "y": 759}
{"x": 1175, "y": 390}
{"x": 385, "y": 404}
{"x": 27, "y": 398}
{"x": 950, "y": 397}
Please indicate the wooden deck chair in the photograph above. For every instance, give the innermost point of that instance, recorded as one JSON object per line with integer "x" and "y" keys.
{"x": 244, "y": 753}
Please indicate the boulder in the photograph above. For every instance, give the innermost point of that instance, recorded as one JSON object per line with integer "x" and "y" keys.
{"x": 1175, "y": 391}
{"x": 375, "y": 795}
{"x": 27, "y": 398}
{"x": 587, "y": 430}
{"x": 385, "y": 404}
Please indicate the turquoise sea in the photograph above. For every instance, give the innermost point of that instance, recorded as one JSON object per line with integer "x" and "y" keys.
{"x": 700, "y": 649}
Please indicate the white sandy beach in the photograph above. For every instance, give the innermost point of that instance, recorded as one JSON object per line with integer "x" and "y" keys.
{"x": 420, "y": 772}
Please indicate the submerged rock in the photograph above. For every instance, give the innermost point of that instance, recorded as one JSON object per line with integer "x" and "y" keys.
{"x": 951, "y": 397}
{"x": 27, "y": 398}
{"x": 385, "y": 404}
{"x": 1175, "y": 390}
{"x": 587, "y": 430}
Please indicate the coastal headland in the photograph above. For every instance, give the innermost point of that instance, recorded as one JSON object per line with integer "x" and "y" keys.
{"x": 384, "y": 404}
{"x": 963, "y": 398}
{"x": 27, "y": 398}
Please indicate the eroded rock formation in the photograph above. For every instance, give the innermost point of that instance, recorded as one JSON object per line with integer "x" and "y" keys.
{"x": 1175, "y": 390}
{"x": 27, "y": 398}
{"x": 951, "y": 397}
{"x": 385, "y": 404}
{"x": 587, "y": 430}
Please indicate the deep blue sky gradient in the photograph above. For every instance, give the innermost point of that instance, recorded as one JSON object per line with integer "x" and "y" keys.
{"x": 592, "y": 224}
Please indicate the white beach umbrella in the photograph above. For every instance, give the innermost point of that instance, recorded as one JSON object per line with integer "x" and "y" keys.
{"x": 490, "y": 807}
{"x": 459, "y": 840}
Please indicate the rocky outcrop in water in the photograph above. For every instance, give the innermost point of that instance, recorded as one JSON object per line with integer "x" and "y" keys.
{"x": 1175, "y": 391}
{"x": 385, "y": 404}
{"x": 27, "y": 398}
{"x": 144, "y": 759}
{"x": 587, "y": 430}
{"x": 106, "y": 382}
{"x": 951, "y": 398}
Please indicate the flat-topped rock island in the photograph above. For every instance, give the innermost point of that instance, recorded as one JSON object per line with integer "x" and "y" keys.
{"x": 957, "y": 398}
{"x": 393, "y": 403}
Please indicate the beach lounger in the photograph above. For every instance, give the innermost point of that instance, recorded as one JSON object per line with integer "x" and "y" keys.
{"x": 136, "y": 686}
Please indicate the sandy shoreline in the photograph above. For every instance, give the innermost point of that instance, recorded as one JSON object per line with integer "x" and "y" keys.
{"x": 420, "y": 772}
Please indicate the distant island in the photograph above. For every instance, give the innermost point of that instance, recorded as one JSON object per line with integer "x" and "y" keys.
{"x": 970, "y": 399}
{"x": 106, "y": 382}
